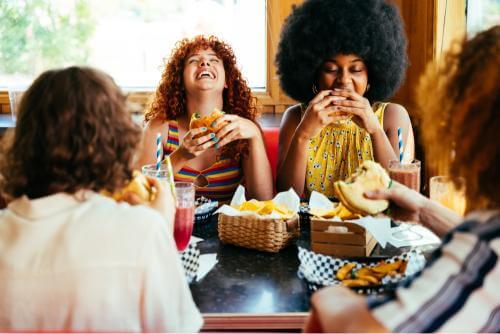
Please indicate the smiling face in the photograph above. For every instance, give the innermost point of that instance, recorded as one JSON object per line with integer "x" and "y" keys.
{"x": 204, "y": 71}
{"x": 343, "y": 72}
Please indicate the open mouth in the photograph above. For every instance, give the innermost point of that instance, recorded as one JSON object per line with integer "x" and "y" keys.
{"x": 205, "y": 75}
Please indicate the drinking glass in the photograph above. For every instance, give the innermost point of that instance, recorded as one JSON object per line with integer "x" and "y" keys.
{"x": 443, "y": 190}
{"x": 15, "y": 95}
{"x": 406, "y": 173}
{"x": 184, "y": 214}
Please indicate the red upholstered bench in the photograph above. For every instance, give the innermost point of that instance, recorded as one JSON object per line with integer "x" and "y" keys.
{"x": 271, "y": 139}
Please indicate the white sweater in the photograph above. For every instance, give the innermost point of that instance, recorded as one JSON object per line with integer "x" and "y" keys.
{"x": 86, "y": 263}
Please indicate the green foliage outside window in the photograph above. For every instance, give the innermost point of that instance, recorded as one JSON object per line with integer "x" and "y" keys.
{"x": 35, "y": 35}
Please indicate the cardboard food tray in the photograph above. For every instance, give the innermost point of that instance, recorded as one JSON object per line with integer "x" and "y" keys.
{"x": 356, "y": 242}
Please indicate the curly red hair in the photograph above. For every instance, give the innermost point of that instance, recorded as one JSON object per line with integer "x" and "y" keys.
{"x": 169, "y": 100}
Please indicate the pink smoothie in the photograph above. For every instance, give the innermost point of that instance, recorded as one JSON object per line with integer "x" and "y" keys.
{"x": 183, "y": 227}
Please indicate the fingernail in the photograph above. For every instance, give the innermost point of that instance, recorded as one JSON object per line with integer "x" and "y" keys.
{"x": 215, "y": 139}
{"x": 216, "y": 146}
{"x": 369, "y": 193}
{"x": 337, "y": 89}
{"x": 213, "y": 124}
{"x": 212, "y": 135}
{"x": 203, "y": 129}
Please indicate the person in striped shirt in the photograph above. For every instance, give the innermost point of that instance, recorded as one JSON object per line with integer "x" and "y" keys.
{"x": 458, "y": 290}
{"x": 200, "y": 75}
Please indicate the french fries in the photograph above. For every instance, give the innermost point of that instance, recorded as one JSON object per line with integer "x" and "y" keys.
{"x": 264, "y": 208}
{"x": 364, "y": 276}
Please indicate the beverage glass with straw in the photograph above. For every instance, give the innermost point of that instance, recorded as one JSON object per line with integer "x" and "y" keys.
{"x": 182, "y": 194}
{"x": 407, "y": 173}
{"x": 162, "y": 169}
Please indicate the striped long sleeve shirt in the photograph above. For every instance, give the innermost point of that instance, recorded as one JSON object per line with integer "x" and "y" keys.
{"x": 458, "y": 291}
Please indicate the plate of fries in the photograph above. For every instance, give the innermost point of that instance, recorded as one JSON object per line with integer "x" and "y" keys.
{"x": 366, "y": 275}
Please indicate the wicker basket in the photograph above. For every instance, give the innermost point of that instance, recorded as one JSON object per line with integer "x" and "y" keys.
{"x": 268, "y": 235}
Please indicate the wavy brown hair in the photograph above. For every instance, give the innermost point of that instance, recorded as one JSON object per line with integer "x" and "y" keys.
{"x": 170, "y": 97}
{"x": 73, "y": 132}
{"x": 459, "y": 103}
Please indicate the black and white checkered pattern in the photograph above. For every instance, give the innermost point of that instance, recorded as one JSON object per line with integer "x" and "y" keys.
{"x": 200, "y": 201}
{"x": 320, "y": 270}
{"x": 190, "y": 259}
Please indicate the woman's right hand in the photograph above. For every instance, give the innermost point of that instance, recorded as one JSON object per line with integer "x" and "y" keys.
{"x": 191, "y": 147}
{"x": 407, "y": 202}
{"x": 163, "y": 201}
{"x": 319, "y": 113}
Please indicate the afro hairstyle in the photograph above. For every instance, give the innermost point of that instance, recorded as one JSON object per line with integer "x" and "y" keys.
{"x": 320, "y": 29}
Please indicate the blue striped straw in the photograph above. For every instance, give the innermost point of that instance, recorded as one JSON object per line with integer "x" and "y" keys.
{"x": 159, "y": 152}
{"x": 400, "y": 144}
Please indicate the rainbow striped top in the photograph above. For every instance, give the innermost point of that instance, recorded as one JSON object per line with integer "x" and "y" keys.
{"x": 222, "y": 178}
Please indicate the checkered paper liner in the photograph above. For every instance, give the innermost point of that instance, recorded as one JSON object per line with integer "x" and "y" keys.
{"x": 320, "y": 270}
{"x": 205, "y": 225}
{"x": 190, "y": 259}
{"x": 200, "y": 201}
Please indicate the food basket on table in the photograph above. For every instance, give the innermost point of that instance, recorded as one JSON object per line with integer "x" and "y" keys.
{"x": 267, "y": 226}
{"x": 205, "y": 222}
{"x": 320, "y": 270}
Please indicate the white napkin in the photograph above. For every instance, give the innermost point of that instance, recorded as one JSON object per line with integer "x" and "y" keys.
{"x": 194, "y": 240}
{"x": 412, "y": 235}
{"x": 207, "y": 263}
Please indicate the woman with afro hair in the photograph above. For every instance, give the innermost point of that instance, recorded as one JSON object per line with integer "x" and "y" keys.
{"x": 201, "y": 75}
{"x": 341, "y": 60}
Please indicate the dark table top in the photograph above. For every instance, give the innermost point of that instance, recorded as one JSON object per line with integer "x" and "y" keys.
{"x": 249, "y": 281}
{"x": 253, "y": 282}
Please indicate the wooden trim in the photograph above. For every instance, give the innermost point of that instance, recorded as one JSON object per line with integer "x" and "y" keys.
{"x": 449, "y": 25}
{"x": 242, "y": 321}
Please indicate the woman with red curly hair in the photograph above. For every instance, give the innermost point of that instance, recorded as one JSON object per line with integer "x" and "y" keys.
{"x": 201, "y": 75}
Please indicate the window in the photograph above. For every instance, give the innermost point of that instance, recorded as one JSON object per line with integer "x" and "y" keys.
{"x": 482, "y": 14}
{"x": 126, "y": 38}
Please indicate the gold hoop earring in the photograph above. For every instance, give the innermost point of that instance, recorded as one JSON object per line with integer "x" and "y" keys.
{"x": 314, "y": 89}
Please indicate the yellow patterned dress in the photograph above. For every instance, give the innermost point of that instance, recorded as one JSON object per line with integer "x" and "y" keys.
{"x": 336, "y": 152}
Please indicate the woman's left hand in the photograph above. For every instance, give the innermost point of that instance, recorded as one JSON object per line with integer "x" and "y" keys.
{"x": 360, "y": 108}
{"x": 234, "y": 127}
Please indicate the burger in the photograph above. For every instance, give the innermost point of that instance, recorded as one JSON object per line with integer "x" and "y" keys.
{"x": 368, "y": 177}
{"x": 197, "y": 122}
{"x": 138, "y": 185}
{"x": 344, "y": 117}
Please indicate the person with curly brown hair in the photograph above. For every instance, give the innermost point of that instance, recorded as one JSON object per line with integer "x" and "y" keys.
{"x": 342, "y": 60}
{"x": 70, "y": 258}
{"x": 201, "y": 75}
{"x": 458, "y": 290}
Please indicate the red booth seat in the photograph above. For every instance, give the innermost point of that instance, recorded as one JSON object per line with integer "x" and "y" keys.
{"x": 271, "y": 139}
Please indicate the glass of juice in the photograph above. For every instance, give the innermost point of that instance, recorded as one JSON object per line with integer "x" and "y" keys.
{"x": 164, "y": 174}
{"x": 448, "y": 191}
{"x": 184, "y": 214}
{"x": 406, "y": 173}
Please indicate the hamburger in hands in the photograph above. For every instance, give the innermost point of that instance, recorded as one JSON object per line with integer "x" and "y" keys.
{"x": 368, "y": 177}
{"x": 197, "y": 122}
{"x": 139, "y": 186}
{"x": 342, "y": 116}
